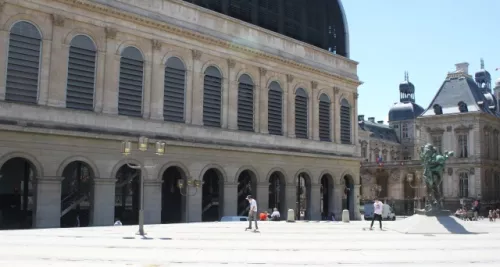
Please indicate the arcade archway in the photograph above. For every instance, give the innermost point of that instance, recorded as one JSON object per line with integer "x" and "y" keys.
{"x": 326, "y": 206}
{"x": 127, "y": 195}
{"x": 17, "y": 194}
{"x": 303, "y": 207}
{"x": 76, "y": 194}
{"x": 382, "y": 180}
{"x": 348, "y": 201}
{"x": 212, "y": 195}
{"x": 277, "y": 185}
{"x": 247, "y": 185}
{"x": 173, "y": 203}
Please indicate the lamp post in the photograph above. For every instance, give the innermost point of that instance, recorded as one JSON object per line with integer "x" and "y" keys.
{"x": 187, "y": 183}
{"x": 126, "y": 150}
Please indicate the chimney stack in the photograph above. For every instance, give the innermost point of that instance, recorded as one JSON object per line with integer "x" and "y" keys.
{"x": 371, "y": 119}
{"x": 380, "y": 122}
{"x": 361, "y": 117}
{"x": 462, "y": 67}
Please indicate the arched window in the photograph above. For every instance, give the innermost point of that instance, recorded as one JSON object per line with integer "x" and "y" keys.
{"x": 174, "y": 90}
{"x": 345, "y": 122}
{"x": 324, "y": 118}
{"x": 301, "y": 113}
{"x": 81, "y": 73}
{"x": 275, "y": 109}
{"x": 23, "y": 63}
{"x": 437, "y": 109}
{"x": 245, "y": 103}
{"x": 212, "y": 97}
{"x": 131, "y": 82}
{"x": 462, "y": 107}
{"x": 463, "y": 184}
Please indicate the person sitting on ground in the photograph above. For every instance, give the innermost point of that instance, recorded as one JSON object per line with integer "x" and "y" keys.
{"x": 275, "y": 216}
{"x": 263, "y": 216}
{"x": 118, "y": 222}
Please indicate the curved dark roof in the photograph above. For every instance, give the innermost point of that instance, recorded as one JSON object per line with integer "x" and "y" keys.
{"x": 379, "y": 130}
{"x": 320, "y": 23}
{"x": 407, "y": 87}
{"x": 405, "y": 111}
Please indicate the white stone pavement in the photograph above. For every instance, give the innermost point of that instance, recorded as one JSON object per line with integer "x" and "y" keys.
{"x": 227, "y": 244}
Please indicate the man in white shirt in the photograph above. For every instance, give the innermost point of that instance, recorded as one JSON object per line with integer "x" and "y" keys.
{"x": 378, "y": 207}
{"x": 275, "y": 216}
{"x": 252, "y": 213}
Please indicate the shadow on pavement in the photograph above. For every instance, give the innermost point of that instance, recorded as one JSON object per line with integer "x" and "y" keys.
{"x": 452, "y": 225}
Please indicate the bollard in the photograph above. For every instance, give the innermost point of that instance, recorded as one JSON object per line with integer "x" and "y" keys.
{"x": 345, "y": 216}
{"x": 290, "y": 216}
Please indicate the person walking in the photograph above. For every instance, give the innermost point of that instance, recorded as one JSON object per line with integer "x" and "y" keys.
{"x": 252, "y": 213}
{"x": 377, "y": 213}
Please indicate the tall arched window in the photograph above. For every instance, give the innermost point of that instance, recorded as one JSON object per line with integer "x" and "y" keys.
{"x": 174, "y": 90}
{"x": 131, "y": 82}
{"x": 275, "y": 109}
{"x": 245, "y": 103}
{"x": 324, "y": 118}
{"x": 301, "y": 113}
{"x": 23, "y": 63}
{"x": 345, "y": 122}
{"x": 81, "y": 73}
{"x": 212, "y": 97}
{"x": 463, "y": 184}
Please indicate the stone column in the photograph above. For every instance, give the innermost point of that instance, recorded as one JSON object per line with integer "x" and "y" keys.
{"x": 290, "y": 110}
{"x": 263, "y": 102}
{"x": 111, "y": 74}
{"x": 356, "y": 196}
{"x": 4, "y": 53}
{"x": 337, "y": 201}
{"x": 58, "y": 72}
{"x": 48, "y": 202}
{"x": 197, "y": 90}
{"x": 230, "y": 194}
{"x": 290, "y": 199}
{"x": 315, "y": 205}
{"x": 103, "y": 202}
{"x": 43, "y": 90}
{"x": 99, "y": 81}
{"x": 193, "y": 204}
{"x": 152, "y": 201}
{"x": 146, "y": 92}
{"x": 232, "y": 97}
{"x": 263, "y": 197}
{"x": 188, "y": 109}
{"x": 157, "y": 82}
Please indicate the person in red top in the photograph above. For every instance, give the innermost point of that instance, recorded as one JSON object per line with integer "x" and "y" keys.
{"x": 263, "y": 216}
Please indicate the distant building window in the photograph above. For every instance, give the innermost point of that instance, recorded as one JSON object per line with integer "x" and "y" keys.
{"x": 438, "y": 110}
{"x": 404, "y": 130}
{"x": 463, "y": 152}
{"x": 345, "y": 122}
{"x": 463, "y": 185}
{"x": 437, "y": 141}
{"x": 395, "y": 126}
{"x": 462, "y": 106}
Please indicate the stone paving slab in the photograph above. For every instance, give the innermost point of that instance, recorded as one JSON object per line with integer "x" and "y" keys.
{"x": 227, "y": 244}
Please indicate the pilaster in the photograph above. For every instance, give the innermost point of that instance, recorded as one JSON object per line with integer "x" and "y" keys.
{"x": 146, "y": 98}
{"x": 314, "y": 128}
{"x": 157, "y": 83}
{"x": 230, "y": 205}
{"x": 337, "y": 201}
{"x": 48, "y": 202}
{"x": 290, "y": 199}
{"x": 197, "y": 90}
{"x": 336, "y": 113}
{"x": 45, "y": 72}
{"x": 263, "y": 197}
{"x": 355, "y": 205}
{"x": 290, "y": 114}
{"x": 99, "y": 81}
{"x": 103, "y": 202}
{"x": 315, "y": 203}
{"x": 111, "y": 74}
{"x": 4, "y": 53}
{"x": 152, "y": 201}
{"x": 58, "y": 72}
{"x": 263, "y": 103}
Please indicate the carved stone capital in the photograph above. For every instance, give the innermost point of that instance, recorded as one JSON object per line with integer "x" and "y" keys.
{"x": 314, "y": 85}
{"x": 356, "y": 95}
{"x": 196, "y": 54}
{"x": 231, "y": 63}
{"x": 262, "y": 71}
{"x": 336, "y": 90}
{"x": 289, "y": 78}
{"x": 156, "y": 44}
{"x": 110, "y": 33}
{"x": 57, "y": 20}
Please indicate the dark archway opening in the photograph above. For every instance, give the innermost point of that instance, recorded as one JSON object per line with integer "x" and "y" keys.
{"x": 409, "y": 190}
{"x": 76, "y": 195}
{"x": 127, "y": 195}
{"x": 303, "y": 209}
{"x": 17, "y": 194}
{"x": 212, "y": 191}
{"x": 348, "y": 202}
{"x": 382, "y": 180}
{"x": 326, "y": 197}
{"x": 172, "y": 201}
{"x": 277, "y": 193}
{"x": 247, "y": 185}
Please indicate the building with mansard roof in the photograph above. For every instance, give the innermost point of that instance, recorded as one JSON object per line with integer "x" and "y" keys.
{"x": 462, "y": 117}
{"x": 248, "y": 98}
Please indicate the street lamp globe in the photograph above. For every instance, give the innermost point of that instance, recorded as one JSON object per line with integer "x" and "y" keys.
{"x": 143, "y": 143}
{"x": 126, "y": 148}
{"x": 160, "y": 148}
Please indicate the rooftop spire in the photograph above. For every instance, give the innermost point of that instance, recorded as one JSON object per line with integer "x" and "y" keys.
{"x": 482, "y": 64}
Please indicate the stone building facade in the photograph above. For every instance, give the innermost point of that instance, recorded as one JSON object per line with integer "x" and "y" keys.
{"x": 241, "y": 108}
{"x": 463, "y": 117}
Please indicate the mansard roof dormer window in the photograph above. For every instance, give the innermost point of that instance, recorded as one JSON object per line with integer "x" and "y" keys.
{"x": 438, "y": 110}
{"x": 462, "y": 107}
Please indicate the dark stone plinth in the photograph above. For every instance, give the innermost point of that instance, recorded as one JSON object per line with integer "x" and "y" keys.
{"x": 433, "y": 213}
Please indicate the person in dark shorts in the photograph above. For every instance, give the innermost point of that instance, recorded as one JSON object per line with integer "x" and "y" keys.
{"x": 252, "y": 213}
{"x": 378, "y": 206}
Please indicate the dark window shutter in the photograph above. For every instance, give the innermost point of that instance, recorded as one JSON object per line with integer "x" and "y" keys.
{"x": 245, "y": 103}
{"x": 81, "y": 74}
{"x": 23, "y": 64}
{"x": 275, "y": 109}
{"x": 130, "y": 86}
{"x": 241, "y": 9}
{"x": 301, "y": 114}
{"x": 174, "y": 90}
{"x": 212, "y": 97}
{"x": 345, "y": 122}
{"x": 324, "y": 118}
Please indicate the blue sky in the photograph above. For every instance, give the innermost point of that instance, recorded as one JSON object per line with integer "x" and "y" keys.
{"x": 425, "y": 38}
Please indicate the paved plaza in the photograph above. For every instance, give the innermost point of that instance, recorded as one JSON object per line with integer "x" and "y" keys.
{"x": 227, "y": 244}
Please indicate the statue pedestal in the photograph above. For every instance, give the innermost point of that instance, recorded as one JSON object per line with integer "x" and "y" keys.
{"x": 435, "y": 223}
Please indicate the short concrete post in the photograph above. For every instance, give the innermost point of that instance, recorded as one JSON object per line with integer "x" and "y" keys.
{"x": 290, "y": 216}
{"x": 345, "y": 216}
